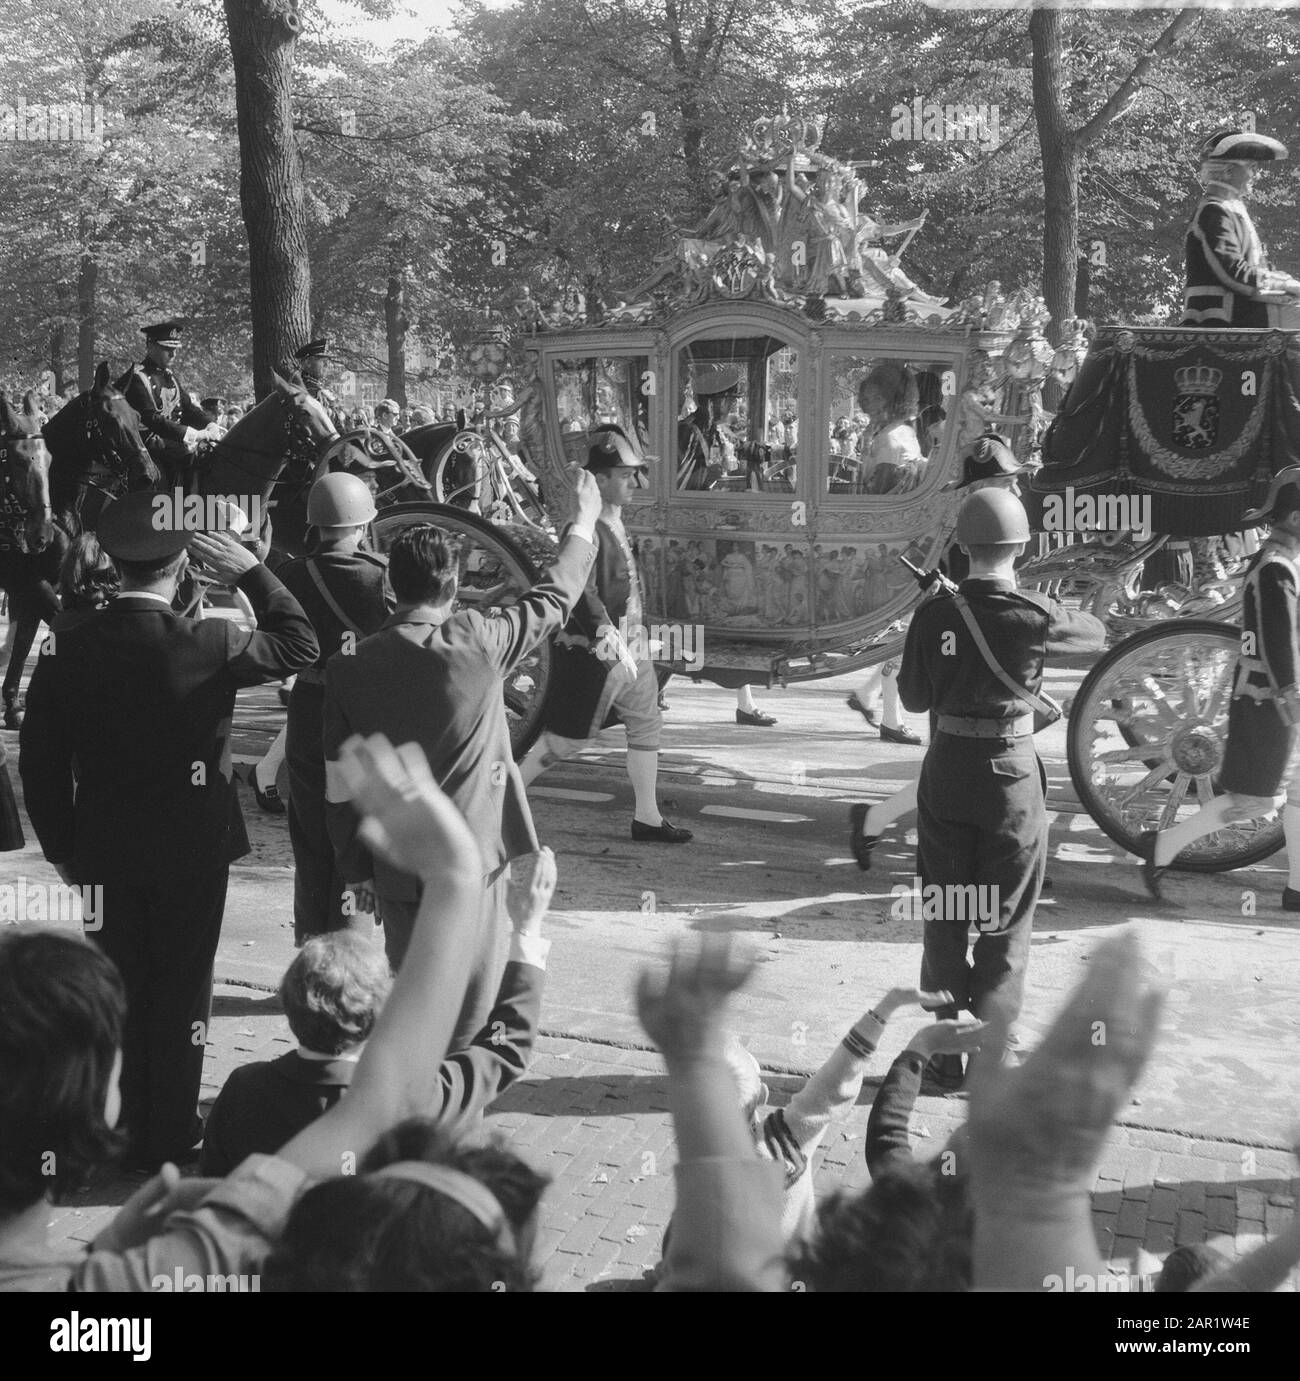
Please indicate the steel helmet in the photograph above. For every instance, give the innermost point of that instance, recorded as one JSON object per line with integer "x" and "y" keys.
{"x": 992, "y": 517}
{"x": 340, "y": 500}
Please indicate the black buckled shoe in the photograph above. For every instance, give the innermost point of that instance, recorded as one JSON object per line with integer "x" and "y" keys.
{"x": 663, "y": 833}
{"x": 899, "y": 735}
{"x": 1151, "y": 875}
{"x": 757, "y": 718}
{"x": 270, "y": 799}
{"x": 860, "y": 845}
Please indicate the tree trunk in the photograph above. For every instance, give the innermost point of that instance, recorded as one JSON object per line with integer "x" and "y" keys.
{"x": 87, "y": 281}
{"x": 1060, "y": 170}
{"x": 57, "y": 337}
{"x": 396, "y": 323}
{"x": 263, "y": 36}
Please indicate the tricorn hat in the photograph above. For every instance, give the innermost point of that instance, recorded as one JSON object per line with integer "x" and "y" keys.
{"x": 988, "y": 457}
{"x": 165, "y": 333}
{"x": 1243, "y": 146}
{"x": 712, "y": 379}
{"x": 1283, "y": 493}
{"x": 128, "y": 530}
{"x": 609, "y": 447}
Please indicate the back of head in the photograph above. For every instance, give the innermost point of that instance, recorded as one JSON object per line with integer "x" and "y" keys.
{"x": 420, "y": 566}
{"x": 992, "y": 517}
{"x": 370, "y": 1232}
{"x": 333, "y": 990}
{"x": 62, "y": 1012}
{"x": 911, "y": 1230}
{"x": 1184, "y": 1266}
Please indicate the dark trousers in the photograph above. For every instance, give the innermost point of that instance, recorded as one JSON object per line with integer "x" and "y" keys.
{"x": 489, "y": 963}
{"x": 317, "y": 886}
{"x": 982, "y": 820}
{"x": 162, "y": 935}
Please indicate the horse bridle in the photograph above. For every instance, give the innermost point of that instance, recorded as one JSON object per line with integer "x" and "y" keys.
{"x": 379, "y": 450}
{"x": 14, "y": 512}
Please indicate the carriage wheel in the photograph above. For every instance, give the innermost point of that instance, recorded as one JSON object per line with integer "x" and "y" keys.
{"x": 512, "y": 494}
{"x": 494, "y": 571}
{"x": 1148, "y": 730}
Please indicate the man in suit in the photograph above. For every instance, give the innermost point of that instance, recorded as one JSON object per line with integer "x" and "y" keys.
{"x": 434, "y": 676}
{"x": 171, "y": 422}
{"x": 140, "y": 700}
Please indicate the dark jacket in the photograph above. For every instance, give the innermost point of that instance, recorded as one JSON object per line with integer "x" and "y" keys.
{"x": 357, "y": 582}
{"x": 889, "y": 1140}
{"x": 943, "y": 670}
{"x": 1226, "y": 267}
{"x": 264, "y": 1105}
{"x": 577, "y": 672}
{"x": 138, "y": 702}
{"x": 164, "y": 405}
{"x": 440, "y": 685}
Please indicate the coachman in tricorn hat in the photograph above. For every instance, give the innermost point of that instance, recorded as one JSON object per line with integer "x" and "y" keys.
{"x": 1229, "y": 282}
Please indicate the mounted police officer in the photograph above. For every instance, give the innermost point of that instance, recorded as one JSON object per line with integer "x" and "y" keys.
{"x": 1229, "y": 282}
{"x": 311, "y": 365}
{"x": 345, "y": 594}
{"x": 975, "y": 659}
{"x": 171, "y": 422}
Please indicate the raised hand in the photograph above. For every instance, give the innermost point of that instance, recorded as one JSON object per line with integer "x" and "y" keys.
{"x": 531, "y": 887}
{"x": 682, "y": 1008}
{"x": 408, "y": 819}
{"x": 1039, "y": 1130}
{"x": 911, "y": 997}
{"x": 959, "y": 1037}
{"x": 223, "y": 555}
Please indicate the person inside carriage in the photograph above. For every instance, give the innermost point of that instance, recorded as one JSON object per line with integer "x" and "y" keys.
{"x": 705, "y": 447}
{"x": 892, "y": 459}
{"x": 171, "y": 423}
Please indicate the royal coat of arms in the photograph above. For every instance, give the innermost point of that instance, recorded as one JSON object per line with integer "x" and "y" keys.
{"x": 1196, "y": 407}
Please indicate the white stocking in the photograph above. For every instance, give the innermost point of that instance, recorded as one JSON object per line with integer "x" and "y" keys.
{"x": 643, "y": 769}
{"x": 269, "y": 767}
{"x": 1171, "y": 842}
{"x": 882, "y": 815}
{"x": 1291, "y": 828}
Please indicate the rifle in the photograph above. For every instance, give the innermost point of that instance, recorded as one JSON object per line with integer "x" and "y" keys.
{"x": 931, "y": 582}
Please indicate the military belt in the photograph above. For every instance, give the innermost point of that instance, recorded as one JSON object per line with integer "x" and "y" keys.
{"x": 1014, "y": 726}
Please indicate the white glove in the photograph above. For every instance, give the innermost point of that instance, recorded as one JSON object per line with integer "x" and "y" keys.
{"x": 192, "y": 438}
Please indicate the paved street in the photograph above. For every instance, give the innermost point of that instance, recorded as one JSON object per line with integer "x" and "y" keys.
{"x": 1202, "y": 1152}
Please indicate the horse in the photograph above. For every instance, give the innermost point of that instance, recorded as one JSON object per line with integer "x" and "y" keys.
{"x": 97, "y": 453}
{"x": 32, "y": 545}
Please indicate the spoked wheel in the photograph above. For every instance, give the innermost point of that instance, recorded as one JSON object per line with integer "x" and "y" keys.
{"x": 478, "y": 468}
{"x": 494, "y": 571}
{"x": 1148, "y": 731}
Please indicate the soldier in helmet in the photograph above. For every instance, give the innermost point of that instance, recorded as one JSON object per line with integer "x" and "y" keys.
{"x": 975, "y": 660}
{"x": 1259, "y": 760}
{"x": 1229, "y": 282}
{"x": 345, "y": 594}
{"x": 171, "y": 422}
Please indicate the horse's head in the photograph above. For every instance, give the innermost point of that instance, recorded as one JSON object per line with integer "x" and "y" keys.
{"x": 309, "y": 423}
{"x": 113, "y": 424}
{"x": 24, "y": 475}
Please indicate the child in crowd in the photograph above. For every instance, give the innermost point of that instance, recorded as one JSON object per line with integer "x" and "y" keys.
{"x": 332, "y": 994}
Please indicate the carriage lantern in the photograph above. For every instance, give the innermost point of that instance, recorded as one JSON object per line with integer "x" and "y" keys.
{"x": 487, "y": 356}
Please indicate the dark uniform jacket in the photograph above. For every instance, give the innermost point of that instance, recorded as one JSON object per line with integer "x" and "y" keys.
{"x": 1022, "y": 629}
{"x": 125, "y": 755}
{"x": 264, "y": 1105}
{"x": 357, "y": 582}
{"x": 1226, "y": 267}
{"x": 577, "y": 673}
{"x": 165, "y": 408}
{"x": 440, "y": 685}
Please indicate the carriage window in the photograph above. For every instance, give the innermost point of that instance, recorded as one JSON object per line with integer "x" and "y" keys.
{"x": 888, "y": 418}
{"x": 603, "y": 389}
{"x": 738, "y": 416}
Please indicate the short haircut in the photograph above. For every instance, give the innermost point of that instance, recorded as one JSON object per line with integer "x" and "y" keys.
{"x": 420, "y": 565}
{"x": 361, "y": 1233}
{"x": 333, "y": 990}
{"x": 152, "y": 572}
{"x": 911, "y": 1230}
{"x": 62, "y": 1013}
{"x": 87, "y": 577}
{"x": 993, "y": 551}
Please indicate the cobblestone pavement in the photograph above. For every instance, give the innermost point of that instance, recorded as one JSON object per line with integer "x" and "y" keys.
{"x": 595, "y": 1118}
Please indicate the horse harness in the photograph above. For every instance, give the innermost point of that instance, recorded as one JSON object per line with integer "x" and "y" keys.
{"x": 14, "y": 512}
